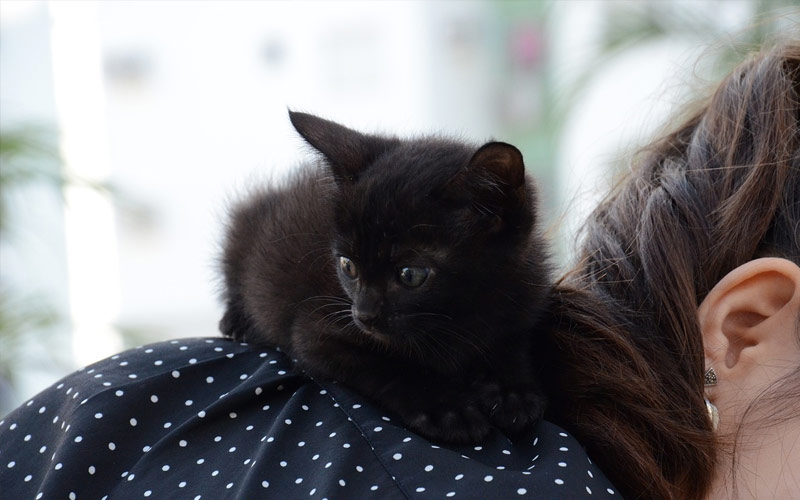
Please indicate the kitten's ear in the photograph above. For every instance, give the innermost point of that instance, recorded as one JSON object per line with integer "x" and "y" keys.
{"x": 503, "y": 162}
{"x": 493, "y": 182}
{"x": 346, "y": 150}
{"x": 495, "y": 174}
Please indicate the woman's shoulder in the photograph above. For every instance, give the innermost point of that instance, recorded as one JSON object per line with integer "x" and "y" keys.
{"x": 214, "y": 418}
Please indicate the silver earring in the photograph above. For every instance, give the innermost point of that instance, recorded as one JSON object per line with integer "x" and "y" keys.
{"x": 713, "y": 414}
{"x": 710, "y": 377}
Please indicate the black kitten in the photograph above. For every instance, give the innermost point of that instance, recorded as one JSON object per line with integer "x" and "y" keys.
{"x": 410, "y": 270}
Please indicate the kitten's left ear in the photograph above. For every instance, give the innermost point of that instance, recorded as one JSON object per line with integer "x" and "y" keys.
{"x": 347, "y": 151}
{"x": 493, "y": 183}
{"x": 503, "y": 162}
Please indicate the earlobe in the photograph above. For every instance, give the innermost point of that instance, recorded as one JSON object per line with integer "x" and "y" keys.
{"x": 750, "y": 316}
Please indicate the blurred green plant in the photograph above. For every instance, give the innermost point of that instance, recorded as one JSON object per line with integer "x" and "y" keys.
{"x": 18, "y": 315}
{"x": 27, "y": 158}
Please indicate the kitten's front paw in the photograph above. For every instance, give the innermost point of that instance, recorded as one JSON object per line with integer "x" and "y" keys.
{"x": 456, "y": 425}
{"x": 235, "y": 324}
{"x": 511, "y": 409}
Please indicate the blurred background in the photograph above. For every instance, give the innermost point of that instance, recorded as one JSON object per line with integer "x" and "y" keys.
{"x": 127, "y": 127}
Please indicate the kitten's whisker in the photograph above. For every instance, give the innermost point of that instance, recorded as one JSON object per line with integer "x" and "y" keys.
{"x": 323, "y": 252}
{"x": 332, "y": 318}
{"x": 351, "y": 325}
{"x": 341, "y": 316}
{"x": 323, "y": 306}
{"x": 414, "y": 349}
{"x": 326, "y": 297}
{"x": 290, "y": 235}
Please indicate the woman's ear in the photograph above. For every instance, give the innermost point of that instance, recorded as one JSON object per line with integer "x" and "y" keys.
{"x": 750, "y": 322}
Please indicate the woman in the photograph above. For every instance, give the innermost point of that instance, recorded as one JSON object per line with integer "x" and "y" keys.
{"x": 690, "y": 264}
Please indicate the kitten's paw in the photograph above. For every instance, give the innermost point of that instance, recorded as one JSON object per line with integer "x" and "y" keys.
{"x": 463, "y": 425}
{"x": 227, "y": 325}
{"x": 234, "y": 324}
{"x": 511, "y": 409}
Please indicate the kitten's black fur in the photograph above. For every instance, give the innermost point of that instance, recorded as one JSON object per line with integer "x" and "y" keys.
{"x": 450, "y": 355}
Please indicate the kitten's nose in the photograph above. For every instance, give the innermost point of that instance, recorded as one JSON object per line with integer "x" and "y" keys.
{"x": 367, "y": 307}
{"x": 366, "y": 316}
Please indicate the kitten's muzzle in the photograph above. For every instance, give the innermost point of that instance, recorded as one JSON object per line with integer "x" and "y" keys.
{"x": 366, "y": 308}
{"x": 365, "y": 318}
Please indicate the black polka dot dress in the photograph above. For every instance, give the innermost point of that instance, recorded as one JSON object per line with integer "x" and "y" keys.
{"x": 215, "y": 419}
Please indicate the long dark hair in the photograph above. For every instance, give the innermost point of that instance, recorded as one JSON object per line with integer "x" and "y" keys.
{"x": 721, "y": 189}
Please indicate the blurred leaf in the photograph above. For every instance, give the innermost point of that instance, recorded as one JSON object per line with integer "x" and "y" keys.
{"x": 18, "y": 316}
{"x": 29, "y": 156}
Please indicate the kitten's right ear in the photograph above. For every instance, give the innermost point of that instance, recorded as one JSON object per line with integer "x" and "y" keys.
{"x": 347, "y": 151}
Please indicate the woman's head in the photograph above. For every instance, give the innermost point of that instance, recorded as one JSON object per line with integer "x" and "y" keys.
{"x": 720, "y": 190}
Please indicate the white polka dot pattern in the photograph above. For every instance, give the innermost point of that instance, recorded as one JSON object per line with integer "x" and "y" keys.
{"x": 212, "y": 418}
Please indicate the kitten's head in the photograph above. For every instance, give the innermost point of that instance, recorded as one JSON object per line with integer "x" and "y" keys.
{"x": 435, "y": 240}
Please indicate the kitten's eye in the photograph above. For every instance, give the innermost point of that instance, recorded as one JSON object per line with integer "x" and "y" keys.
{"x": 348, "y": 267}
{"x": 413, "y": 276}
